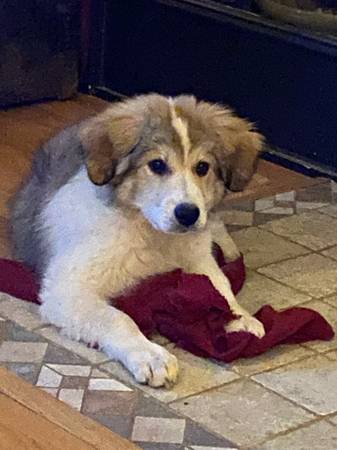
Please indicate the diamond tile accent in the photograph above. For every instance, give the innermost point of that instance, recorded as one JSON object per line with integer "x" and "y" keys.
{"x": 285, "y": 196}
{"x": 243, "y": 412}
{"x": 196, "y": 436}
{"x": 310, "y": 383}
{"x": 110, "y": 403}
{"x": 264, "y": 203}
{"x": 314, "y": 274}
{"x": 321, "y": 193}
{"x": 279, "y": 210}
{"x": 71, "y": 370}
{"x": 73, "y": 397}
{"x": 154, "y": 429}
{"x": 49, "y": 378}
{"x": 261, "y": 247}
{"x": 103, "y": 384}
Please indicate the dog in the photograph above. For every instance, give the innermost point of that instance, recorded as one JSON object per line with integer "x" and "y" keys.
{"x": 122, "y": 196}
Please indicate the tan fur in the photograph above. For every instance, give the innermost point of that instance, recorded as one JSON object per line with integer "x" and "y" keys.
{"x": 205, "y": 132}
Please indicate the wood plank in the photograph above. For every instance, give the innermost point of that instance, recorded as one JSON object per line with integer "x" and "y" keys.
{"x": 21, "y": 428}
{"x": 60, "y": 414}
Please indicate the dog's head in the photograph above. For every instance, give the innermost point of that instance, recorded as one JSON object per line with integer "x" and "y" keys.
{"x": 170, "y": 158}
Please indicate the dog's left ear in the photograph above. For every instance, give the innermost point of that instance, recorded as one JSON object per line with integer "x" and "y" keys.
{"x": 239, "y": 148}
{"x": 108, "y": 138}
{"x": 242, "y": 163}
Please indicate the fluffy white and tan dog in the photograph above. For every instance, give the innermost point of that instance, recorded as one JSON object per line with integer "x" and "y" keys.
{"x": 126, "y": 195}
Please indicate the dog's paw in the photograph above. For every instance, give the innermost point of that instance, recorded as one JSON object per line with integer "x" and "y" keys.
{"x": 246, "y": 323}
{"x": 153, "y": 365}
{"x": 231, "y": 254}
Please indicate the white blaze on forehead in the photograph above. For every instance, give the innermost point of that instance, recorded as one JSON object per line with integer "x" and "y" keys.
{"x": 181, "y": 127}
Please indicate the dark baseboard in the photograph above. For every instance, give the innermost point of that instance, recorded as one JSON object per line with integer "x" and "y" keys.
{"x": 280, "y": 77}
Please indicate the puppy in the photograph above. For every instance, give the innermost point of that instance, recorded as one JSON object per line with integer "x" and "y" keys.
{"x": 126, "y": 195}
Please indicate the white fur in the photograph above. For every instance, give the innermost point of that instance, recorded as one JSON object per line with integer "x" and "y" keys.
{"x": 99, "y": 251}
{"x": 158, "y": 206}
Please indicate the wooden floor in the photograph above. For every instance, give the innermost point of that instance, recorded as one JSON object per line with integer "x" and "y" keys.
{"x": 24, "y": 129}
{"x": 31, "y": 419}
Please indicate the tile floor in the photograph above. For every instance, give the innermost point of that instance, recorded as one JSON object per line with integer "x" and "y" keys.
{"x": 285, "y": 399}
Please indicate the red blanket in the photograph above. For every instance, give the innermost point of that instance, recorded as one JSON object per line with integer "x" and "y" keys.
{"x": 190, "y": 312}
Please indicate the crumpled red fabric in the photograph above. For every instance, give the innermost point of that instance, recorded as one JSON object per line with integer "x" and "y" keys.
{"x": 190, "y": 312}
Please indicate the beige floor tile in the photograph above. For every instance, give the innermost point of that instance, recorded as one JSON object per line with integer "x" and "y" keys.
{"x": 317, "y": 436}
{"x": 331, "y": 252}
{"x": 243, "y": 412}
{"x": 22, "y": 351}
{"x": 330, "y": 210}
{"x": 330, "y": 314}
{"x": 195, "y": 375}
{"x": 313, "y": 274}
{"x": 157, "y": 429}
{"x": 79, "y": 348}
{"x": 311, "y": 383}
{"x": 261, "y": 247}
{"x": 73, "y": 397}
{"x": 312, "y": 229}
{"x": 260, "y": 290}
{"x": 23, "y": 313}
{"x": 278, "y": 356}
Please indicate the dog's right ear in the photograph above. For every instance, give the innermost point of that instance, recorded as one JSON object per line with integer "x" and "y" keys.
{"x": 106, "y": 139}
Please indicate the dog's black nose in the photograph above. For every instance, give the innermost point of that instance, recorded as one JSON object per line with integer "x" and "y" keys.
{"x": 186, "y": 214}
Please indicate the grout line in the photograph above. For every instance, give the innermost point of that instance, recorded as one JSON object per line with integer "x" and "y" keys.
{"x": 281, "y": 283}
{"x": 271, "y": 369}
{"x": 206, "y": 391}
{"x": 289, "y": 431}
{"x": 293, "y": 402}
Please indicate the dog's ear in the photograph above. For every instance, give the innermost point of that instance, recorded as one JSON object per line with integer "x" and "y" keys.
{"x": 242, "y": 163}
{"x": 106, "y": 139}
{"x": 240, "y": 146}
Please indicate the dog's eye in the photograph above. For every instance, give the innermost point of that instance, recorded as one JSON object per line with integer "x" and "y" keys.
{"x": 202, "y": 168}
{"x": 158, "y": 166}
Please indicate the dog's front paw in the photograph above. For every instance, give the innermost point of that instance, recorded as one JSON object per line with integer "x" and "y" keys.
{"x": 246, "y": 323}
{"x": 231, "y": 254}
{"x": 153, "y": 365}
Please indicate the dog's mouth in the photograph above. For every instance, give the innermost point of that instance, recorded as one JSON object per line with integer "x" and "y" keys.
{"x": 177, "y": 228}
